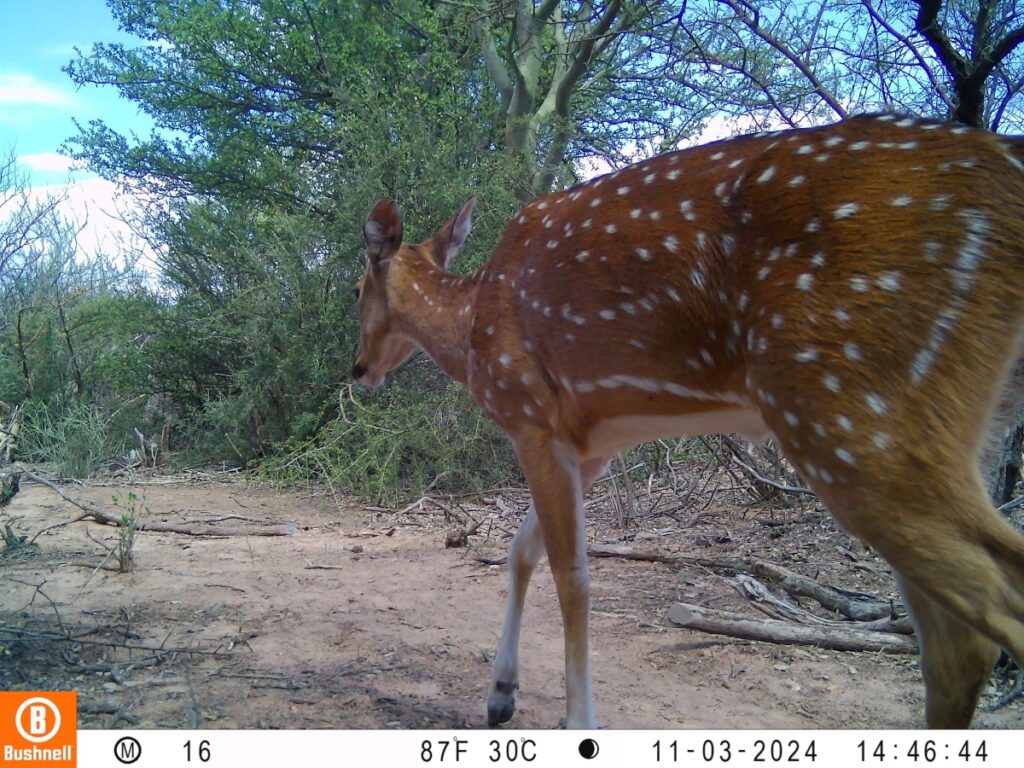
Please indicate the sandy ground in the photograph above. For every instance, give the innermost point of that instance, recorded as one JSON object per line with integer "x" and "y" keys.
{"x": 399, "y": 632}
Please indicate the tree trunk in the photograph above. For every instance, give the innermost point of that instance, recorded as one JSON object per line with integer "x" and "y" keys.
{"x": 1001, "y": 456}
{"x": 1003, "y": 471}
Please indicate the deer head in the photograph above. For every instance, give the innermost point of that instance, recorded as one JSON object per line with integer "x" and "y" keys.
{"x": 390, "y": 276}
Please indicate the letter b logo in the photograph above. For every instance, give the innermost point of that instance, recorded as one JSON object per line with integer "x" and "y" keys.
{"x": 37, "y": 720}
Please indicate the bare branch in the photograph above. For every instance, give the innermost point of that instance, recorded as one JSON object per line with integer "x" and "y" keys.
{"x": 751, "y": 21}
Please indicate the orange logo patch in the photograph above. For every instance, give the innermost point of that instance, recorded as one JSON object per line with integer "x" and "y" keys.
{"x": 39, "y": 729}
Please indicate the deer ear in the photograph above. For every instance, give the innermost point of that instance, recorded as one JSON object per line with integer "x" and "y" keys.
{"x": 454, "y": 233}
{"x": 383, "y": 231}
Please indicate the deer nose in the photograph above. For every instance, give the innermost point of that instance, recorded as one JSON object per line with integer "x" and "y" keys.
{"x": 358, "y": 371}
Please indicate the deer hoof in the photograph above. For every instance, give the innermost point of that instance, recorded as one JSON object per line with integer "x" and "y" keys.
{"x": 501, "y": 704}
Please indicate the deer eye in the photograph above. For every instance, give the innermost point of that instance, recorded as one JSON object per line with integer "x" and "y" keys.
{"x": 356, "y": 292}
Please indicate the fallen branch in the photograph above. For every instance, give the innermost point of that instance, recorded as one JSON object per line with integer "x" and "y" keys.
{"x": 103, "y": 517}
{"x": 851, "y": 605}
{"x": 37, "y": 636}
{"x": 837, "y": 637}
{"x": 646, "y": 555}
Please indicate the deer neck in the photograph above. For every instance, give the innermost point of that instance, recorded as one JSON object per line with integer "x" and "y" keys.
{"x": 435, "y": 310}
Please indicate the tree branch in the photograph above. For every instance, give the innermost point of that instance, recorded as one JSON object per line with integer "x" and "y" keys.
{"x": 753, "y": 24}
{"x": 909, "y": 45}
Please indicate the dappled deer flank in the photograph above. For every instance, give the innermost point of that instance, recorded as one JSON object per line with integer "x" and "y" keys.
{"x": 854, "y": 290}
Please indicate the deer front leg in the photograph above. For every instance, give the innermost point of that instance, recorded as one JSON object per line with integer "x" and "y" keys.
{"x": 526, "y": 550}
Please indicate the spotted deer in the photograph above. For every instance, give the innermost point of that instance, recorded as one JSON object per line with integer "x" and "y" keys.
{"x": 857, "y": 291}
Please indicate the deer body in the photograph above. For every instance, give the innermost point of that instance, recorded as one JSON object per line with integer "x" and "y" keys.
{"x": 854, "y": 290}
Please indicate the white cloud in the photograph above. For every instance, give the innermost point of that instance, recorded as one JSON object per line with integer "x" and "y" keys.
{"x": 48, "y": 161}
{"x": 99, "y": 207}
{"x": 27, "y": 90}
{"x": 60, "y": 50}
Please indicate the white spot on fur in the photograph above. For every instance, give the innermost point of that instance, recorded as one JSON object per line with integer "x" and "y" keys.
{"x": 808, "y": 355}
{"x": 846, "y": 457}
{"x": 925, "y": 359}
{"x": 876, "y": 403}
{"x": 767, "y": 175}
{"x": 971, "y": 253}
{"x": 889, "y": 281}
{"x": 846, "y": 210}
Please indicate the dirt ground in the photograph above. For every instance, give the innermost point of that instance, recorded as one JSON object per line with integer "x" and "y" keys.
{"x": 398, "y": 631}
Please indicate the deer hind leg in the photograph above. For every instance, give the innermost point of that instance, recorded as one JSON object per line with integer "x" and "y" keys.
{"x": 956, "y": 556}
{"x": 956, "y": 660}
{"x": 526, "y": 550}
{"x": 524, "y": 554}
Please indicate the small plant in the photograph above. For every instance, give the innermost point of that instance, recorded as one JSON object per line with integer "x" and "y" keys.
{"x": 11, "y": 540}
{"x": 128, "y": 527}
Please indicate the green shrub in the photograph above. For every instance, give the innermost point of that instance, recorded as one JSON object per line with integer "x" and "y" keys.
{"x": 392, "y": 445}
{"x": 74, "y": 437}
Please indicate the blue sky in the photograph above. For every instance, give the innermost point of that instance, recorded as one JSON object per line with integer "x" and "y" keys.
{"x": 38, "y": 106}
{"x": 37, "y": 100}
